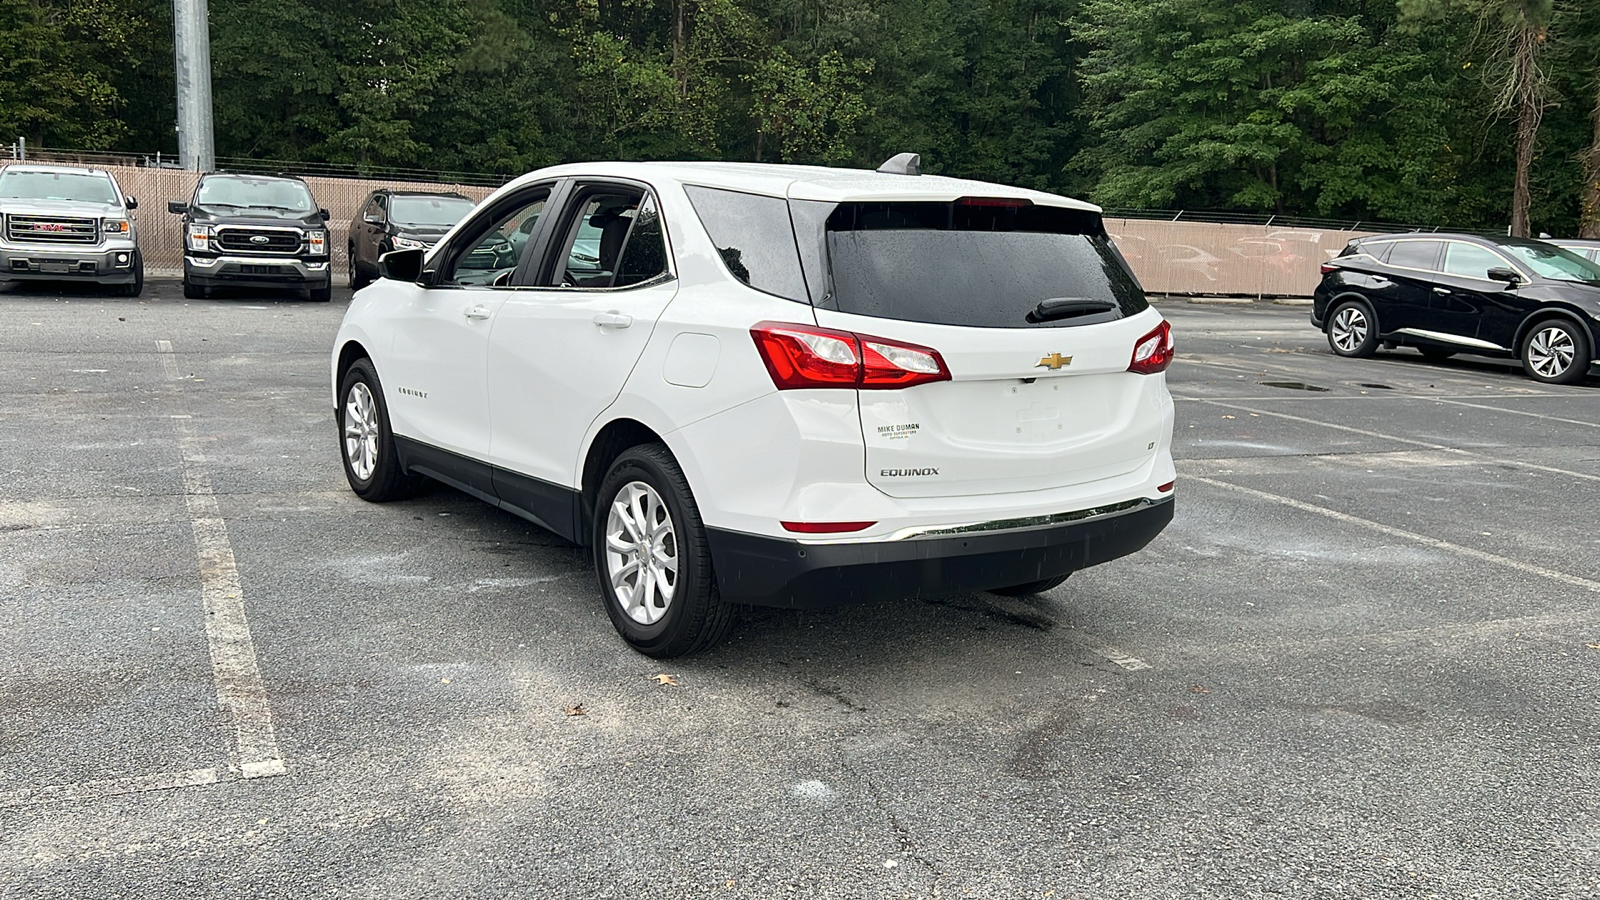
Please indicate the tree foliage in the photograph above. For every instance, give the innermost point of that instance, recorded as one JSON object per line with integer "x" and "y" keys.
{"x": 1358, "y": 109}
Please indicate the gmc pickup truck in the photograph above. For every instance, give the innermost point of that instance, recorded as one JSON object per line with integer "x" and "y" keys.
{"x": 67, "y": 223}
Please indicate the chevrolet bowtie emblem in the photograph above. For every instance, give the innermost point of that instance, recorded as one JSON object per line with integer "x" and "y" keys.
{"x": 1054, "y": 361}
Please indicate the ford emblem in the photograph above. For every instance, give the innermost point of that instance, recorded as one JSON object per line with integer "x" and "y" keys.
{"x": 259, "y": 239}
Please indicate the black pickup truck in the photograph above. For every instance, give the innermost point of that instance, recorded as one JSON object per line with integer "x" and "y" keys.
{"x": 254, "y": 231}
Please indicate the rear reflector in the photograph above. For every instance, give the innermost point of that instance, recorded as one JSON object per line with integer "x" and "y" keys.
{"x": 805, "y": 356}
{"x": 1153, "y": 353}
{"x": 825, "y": 527}
{"x": 1166, "y": 487}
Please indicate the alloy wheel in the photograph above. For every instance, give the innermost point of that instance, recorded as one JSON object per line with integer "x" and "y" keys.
{"x": 1349, "y": 328}
{"x": 361, "y": 431}
{"x": 641, "y": 552}
{"x": 1551, "y": 351}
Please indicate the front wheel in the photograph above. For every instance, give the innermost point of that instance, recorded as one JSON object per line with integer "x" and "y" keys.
{"x": 135, "y": 287}
{"x": 357, "y": 280}
{"x": 652, "y": 559}
{"x": 1028, "y": 588}
{"x": 371, "y": 464}
{"x": 1352, "y": 329}
{"x": 321, "y": 294}
{"x": 192, "y": 291}
{"x": 1556, "y": 351}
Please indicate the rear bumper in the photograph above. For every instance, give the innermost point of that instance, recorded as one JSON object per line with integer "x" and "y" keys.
{"x": 768, "y": 571}
{"x": 243, "y": 271}
{"x": 104, "y": 263}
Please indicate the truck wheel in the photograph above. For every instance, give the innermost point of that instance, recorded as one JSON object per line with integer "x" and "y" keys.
{"x": 193, "y": 291}
{"x": 321, "y": 294}
{"x": 652, "y": 560}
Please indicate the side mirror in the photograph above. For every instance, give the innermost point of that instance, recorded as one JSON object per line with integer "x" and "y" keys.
{"x": 132, "y": 203}
{"x": 325, "y": 214}
{"x": 178, "y": 206}
{"x": 1508, "y": 275}
{"x": 401, "y": 265}
{"x": 374, "y": 219}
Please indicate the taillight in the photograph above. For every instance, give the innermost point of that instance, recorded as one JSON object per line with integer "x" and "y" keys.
{"x": 1153, "y": 353}
{"x": 1325, "y": 268}
{"x": 805, "y": 356}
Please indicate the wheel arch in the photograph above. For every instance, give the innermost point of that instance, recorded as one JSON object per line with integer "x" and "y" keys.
{"x": 1545, "y": 313}
{"x": 611, "y": 441}
{"x": 349, "y": 352}
{"x": 1336, "y": 299}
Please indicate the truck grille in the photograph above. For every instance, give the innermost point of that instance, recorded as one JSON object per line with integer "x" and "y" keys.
{"x": 249, "y": 240}
{"x": 52, "y": 230}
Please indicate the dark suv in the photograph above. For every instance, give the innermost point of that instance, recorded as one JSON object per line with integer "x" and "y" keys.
{"x": 254, "y": 231}
{"x": 399, "y": 220}
{"x": 1459, "y": 293}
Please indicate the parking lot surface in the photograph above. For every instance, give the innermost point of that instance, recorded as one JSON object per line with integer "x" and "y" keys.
{"x": 1362, "y": 662}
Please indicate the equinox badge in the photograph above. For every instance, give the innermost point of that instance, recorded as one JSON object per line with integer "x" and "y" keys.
{"x": 1054, "y": 361}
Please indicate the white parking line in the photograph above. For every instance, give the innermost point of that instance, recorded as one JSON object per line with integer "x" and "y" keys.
{"x": 1520, "y": 412}
{"x": 1391, "y": 531}
{"x": 233, "y": 654}
{"x": 110, "y": 787}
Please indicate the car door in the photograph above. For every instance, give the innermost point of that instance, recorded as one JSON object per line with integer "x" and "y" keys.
{"x": 562, "y": 349}
{"x": 436, "y": 373}
{"x": 1410, "y": 269}
{"x": 1465, "y": 292}
{"x": 373, "y": 218}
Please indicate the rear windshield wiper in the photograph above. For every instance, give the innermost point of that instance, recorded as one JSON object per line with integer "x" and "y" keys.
{"x": 1069, "y": 307}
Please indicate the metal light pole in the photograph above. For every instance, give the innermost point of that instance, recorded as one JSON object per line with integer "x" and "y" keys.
{"x": 192, "y": 62}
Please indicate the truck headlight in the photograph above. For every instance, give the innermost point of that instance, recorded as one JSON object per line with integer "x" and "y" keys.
{"x": 198, "y": 237}
{"x": 401, "y": 243}
{"x": 318, "y": 240}
{"x": 116, "y": 228}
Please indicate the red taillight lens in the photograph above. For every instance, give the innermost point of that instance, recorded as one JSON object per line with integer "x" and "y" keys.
{"x": 1325, "y": 268}
{"x": 826, "y": 527}
{"x": 805, "y": 356}
{"x": 1166, "y": 487}
{"x": 1154, "y": 351}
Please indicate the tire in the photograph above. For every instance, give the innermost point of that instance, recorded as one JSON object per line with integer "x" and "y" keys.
{"x": 366, "y": 445}
{"x": 1435, "y": 354}
{"x": 136, "y": 287}
{"x": 193, "y": 291}
{"x": 321, "y": 294}
{"x": 357, "y": 280}
{"x": 690, "y": 615}
{"x": 1352, "y": 329}
{"x": 1556, "y": 351}
{"x": 1028, "y": 588}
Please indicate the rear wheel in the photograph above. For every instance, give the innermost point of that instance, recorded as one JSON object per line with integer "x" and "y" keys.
{"x": 652, "y": 559}
{"x": 1556, "y": 351}
{"x": 1352, "y": 329}
{"x": 1031, "y": 587}
{"x": 357, "y": 280}
{"x": 371, "y": 464}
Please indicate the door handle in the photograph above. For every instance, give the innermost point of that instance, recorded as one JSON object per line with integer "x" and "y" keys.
{"x": 477, "y": 312}
{"x": 613, "y": 319}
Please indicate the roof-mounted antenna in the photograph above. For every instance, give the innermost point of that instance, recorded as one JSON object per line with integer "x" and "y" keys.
{"x": 902, "y": 164}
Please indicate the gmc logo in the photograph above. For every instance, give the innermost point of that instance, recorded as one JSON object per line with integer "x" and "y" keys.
{"x": 49, "y": 226}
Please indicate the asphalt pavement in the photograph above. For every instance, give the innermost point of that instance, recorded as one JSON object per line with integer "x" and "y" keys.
{"x": 1362, "y": 662}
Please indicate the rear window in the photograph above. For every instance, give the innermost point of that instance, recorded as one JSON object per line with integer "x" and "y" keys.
{"x": 975, "y": 262}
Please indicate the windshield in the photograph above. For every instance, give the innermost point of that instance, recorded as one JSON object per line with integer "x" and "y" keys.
{"x": 255, "y": 193}
{"x": 1550, "y": 261}
{"x": 80, "y": 187}
{"x": 979, "y": 262}
{"x": 441, "y": 212}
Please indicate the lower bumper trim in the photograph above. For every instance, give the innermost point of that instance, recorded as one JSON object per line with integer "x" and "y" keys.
{"x": 769, "y": 571}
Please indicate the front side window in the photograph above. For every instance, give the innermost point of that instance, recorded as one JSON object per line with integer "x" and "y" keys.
{"x": 984, "y": 262}
{"x": 81, "y": 187}
{"x": 1550, "y": 261}
{"x": 493, "y": 256}
{"x": 1470, "y": 260}
{"x": 276, "y": 194}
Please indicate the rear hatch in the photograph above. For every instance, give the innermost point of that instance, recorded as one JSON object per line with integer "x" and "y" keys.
{"x": 1036, "y": 317}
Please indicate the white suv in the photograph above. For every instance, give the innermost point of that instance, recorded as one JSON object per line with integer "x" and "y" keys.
{"x": 777, "y": 385}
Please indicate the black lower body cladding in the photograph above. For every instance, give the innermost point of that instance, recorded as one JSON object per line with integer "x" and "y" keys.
{"x": 766, "y": 571}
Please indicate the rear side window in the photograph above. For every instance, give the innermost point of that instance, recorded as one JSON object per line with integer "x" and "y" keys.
{"x": 989, "y": 263}
{"x": 1416, "y": 255}
{"x": 754, "y": 237}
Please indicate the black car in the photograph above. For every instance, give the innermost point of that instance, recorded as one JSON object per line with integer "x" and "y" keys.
{"x": 399, "y": 220}
{"x": 254, "y": 231}
{"x": 1586, "y": 248}
{"x": 1457, "y": 293}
